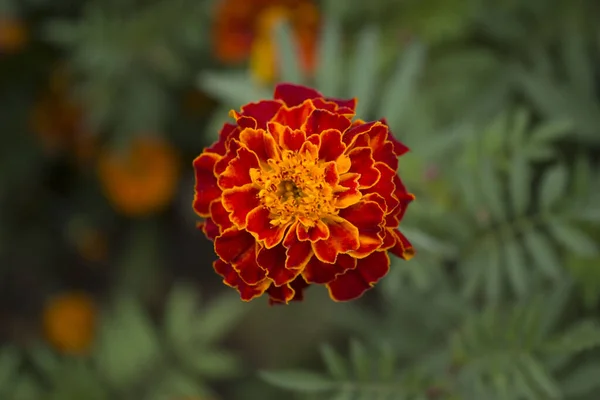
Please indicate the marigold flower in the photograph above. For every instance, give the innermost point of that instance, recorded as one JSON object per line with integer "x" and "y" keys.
{"x": 69, "y": 322}
{"x": 143, "y": 179}
{"x": 243, "y": 29}
{"x": 295, "y": 193}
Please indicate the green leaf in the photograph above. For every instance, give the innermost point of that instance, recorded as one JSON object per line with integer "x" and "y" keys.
{"x": 492, "y": 189}
{"x": 335, "y": 364}
{"x": 522, "y": 118}
{"x": 573, "y": 238}
{"x": 180, "y": 314}
{"x": 398, "y": 96}
{"x": 360, "y": 361}
{"x": 299, "y": 381}
{"x": 231, "y": 88}
{"x": 583, "y": 336}
{"x": 516, "y": 267}
{"x": 583, "y": 380}
{"x": 364, "y": 68}
{"x": 553, "y": 186}
{"x": 520, "y": 184}
{"x": 212, "y": 364}
{"x": 538, "y": 374}
{"x": 552, "y": 130}
{"x": 543, "y": 253}
{"x": 128, "y": 346}
{"x": 328, "y": 77}
{"x": 218, "y": 318}
{"x": 287, "y": 51}
{"x": 493, "y": 276}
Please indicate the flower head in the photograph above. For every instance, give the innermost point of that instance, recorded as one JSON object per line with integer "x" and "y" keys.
{"x": 70, "y": 322}
{"x": 142, "y": 180}
{"x": 296, "y": 193}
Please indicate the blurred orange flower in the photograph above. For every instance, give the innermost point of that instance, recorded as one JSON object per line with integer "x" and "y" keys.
{"x": 69, "y": 322}
{"x": 13, "y": 34}
{"x": 57, "y": 120}
{"x": 243, "y": 30}
{"x": 141, "y": 180}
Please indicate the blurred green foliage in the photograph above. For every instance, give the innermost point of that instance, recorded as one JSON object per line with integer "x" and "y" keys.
{"x": 499, "y": 102}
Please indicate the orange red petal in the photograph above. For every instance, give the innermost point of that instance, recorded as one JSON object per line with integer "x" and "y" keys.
{"x": 343, "y": 238}
{"x": 239, "y": 202}
{"x": 355, "y": 282}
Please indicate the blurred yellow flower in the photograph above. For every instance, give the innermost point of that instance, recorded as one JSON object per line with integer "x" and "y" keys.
{"x": 69, "y": 322}
{"x": 243, "y": 30}
{"x": 141, "y": 180}
{"x": 13, "y": 34}
{"x": 263, "y": 56}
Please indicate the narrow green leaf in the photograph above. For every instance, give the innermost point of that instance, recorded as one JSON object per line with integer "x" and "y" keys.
{"x": 360, "y": 360}
{"x": 582, "y": 336}
{"x": 330, "y": 59}
{"x": 387, "y": 363}
{"x": 543, "y": 253}
{"x": 551, "y": 131}
{"x": 553, "y": 186}
{"x": 219, "y": 317}
{"x": 493, "y": 276}
{"x": 537, "y": 373}
{"x": 287, "y": 53}
{"x": 473, "y": 270}
{"x": 521, "y": 120}
{"x": 298, "y": 381}
{"x": 516, "y": 267}
{"x": 364, "y": 70}
{"x": 520, "y": 183}
{"x": 573, "y": 238}
{"x": 180, "y": 313}
{"x": 492, "y": 189}
{"x": 231, "y": 88}
{"x": 212, "y": 364}
{"x": 335, "y": 364}
{"x": 398, "y": 96}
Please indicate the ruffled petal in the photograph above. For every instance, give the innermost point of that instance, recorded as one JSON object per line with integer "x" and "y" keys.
{"x": 239, "y": 202}
{"x": 287, "y": 138}
{"x": 262, "y": 111}
{"x": 293, "y": 95}
{"x": 331, "y": 147}
{"x": 209, "y": 228}
{"x": 347, "y": 192}
{"x": 232, "y": 244}
{"x": 206, "y": 189}
{"x": 261, "y": 143}
{"x": 232, "y": 279}
{"x": 227, "y": 131}
{"x": 321, "y": 120}
{"x": 343, "y": 238}
{"x": 294, "y": 117}
{"x": 259, "y": 224}
{"x": 237, "y": 172}
{"x": 368, "y": 217}
{"x": 355, "y": 282}
{"x": 298, "y": 253}
{"x": 319, "y": 231}
{"x": 316, "y": 271}
{"x": 402, "y": 247}
{"x": 364, "y": 165}
{"x": 293, "y": 291}
{"x": 273, "y": 261}
{"x": 220, "y": 215}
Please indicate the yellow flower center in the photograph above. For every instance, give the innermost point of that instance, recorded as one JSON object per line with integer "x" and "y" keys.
{"x": 294, "y": 188}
